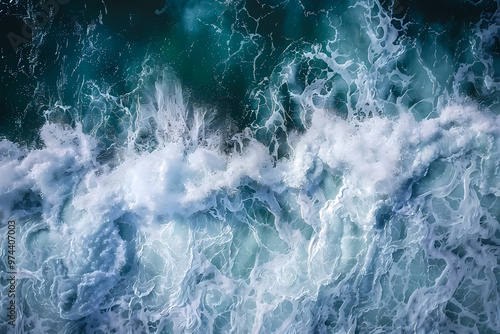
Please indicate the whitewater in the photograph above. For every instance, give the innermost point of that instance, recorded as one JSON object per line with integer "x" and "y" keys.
{"x": 360, "y": 194}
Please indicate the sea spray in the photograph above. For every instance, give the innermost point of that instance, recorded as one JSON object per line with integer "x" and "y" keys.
{"x": 357, "y": 191}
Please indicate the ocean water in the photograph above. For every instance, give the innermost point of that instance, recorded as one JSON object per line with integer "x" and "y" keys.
{"x": 295, "y": 166}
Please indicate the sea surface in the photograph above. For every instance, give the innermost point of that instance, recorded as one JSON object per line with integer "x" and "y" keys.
{"x": 245, "y": 166}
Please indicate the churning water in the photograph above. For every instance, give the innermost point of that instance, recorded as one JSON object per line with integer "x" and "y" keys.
{"x": 245, "y": 167}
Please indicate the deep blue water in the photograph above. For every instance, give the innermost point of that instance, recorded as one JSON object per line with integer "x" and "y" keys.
{"x": 290, "y": 166}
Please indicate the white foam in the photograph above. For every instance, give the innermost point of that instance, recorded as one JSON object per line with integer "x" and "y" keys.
{"x": 185, "y": 235}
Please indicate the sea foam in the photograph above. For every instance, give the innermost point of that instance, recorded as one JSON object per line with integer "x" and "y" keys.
{"x": 361, "y": 196}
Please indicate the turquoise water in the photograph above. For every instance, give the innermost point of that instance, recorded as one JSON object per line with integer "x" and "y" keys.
{"x": 252, "y": 167}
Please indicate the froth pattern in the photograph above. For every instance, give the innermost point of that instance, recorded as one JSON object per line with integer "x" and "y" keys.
{"x": 376, "y": 223}
{"x": 353, "y": 202}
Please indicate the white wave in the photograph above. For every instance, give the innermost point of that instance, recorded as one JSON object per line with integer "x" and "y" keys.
{"x": 213, "y": 236}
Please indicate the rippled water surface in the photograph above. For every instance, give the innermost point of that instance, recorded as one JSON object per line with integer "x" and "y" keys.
{"x": 296, "y": 166}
